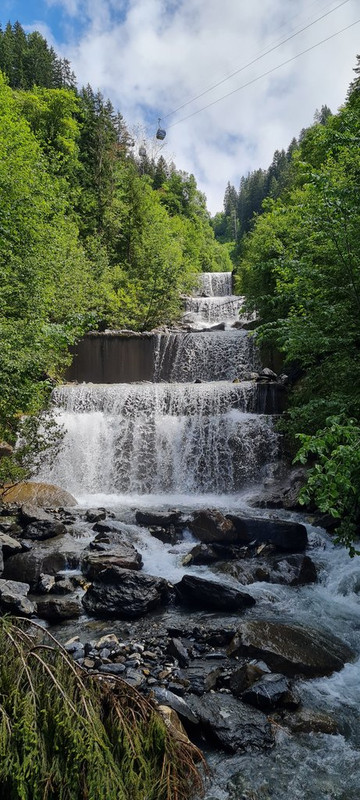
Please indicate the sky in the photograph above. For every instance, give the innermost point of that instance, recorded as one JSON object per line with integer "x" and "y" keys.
{"x": 156, "y": 57}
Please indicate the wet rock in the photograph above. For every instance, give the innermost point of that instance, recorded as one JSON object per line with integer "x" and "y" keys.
{"x": 169, "y": 535}
{"x": 290, "y": 649}
{"x": 106, "y": 526}
{"x": 45, "y": 584}
{"x": 306, "y": 721}
{"x": 211, "y": 526}
{"x": 270, "y": 692}
{"x": 202, "y": 554}
{"x": 113, "y": 669}
{"x": 123, "y": 557}
{"x": 32, "y": 513}
{"x": 177, "y": 649}
{"x": 14, "y": 600}
{"x": 124, "y": 594}
{"x": 9, "y": 546}
{"x": 245, "y": 676}
{"x": 29, "y": 566}
{"x": 163, "y": 519}
{"x": 9, "y": 525}
{"x": 201, "y": 676}
{"x": 284, "y": 535}
{"x": 95, "y": 514}
{"x": 181, "y": 706}
{"x": 45, "y": 495}
{"x": 201, "y": 593}
{"x": 231, "y": 724}
{"x": 63, "y": 585}
{"x": 295, "y": 570}
{"x": 56, "y": 609}
{"x": 284, "y": 493}
{"x": 44, "y": 529}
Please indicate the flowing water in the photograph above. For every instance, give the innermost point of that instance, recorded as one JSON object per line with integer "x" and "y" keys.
{"x": 191, "y": 437}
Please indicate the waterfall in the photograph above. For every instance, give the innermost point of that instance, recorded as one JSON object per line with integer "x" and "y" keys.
{"x": 196, "y": 427}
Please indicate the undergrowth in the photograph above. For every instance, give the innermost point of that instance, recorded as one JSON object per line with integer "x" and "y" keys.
{"x": 66, "y": 735}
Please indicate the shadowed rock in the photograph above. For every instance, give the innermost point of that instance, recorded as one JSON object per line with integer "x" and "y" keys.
{"x": 290, "y": 649}
{"x": 201, "y": 593}
{"x": 124, "y": 594}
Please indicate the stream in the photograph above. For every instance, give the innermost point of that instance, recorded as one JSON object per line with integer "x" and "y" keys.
{"x": 199, "y": 432}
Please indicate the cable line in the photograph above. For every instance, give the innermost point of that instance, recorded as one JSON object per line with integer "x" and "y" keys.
{"x": 258, "y": 58}
{"x": 264, "y": 74}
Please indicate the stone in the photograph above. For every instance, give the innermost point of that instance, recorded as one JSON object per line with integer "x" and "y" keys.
{"x": 29, "y": 566}
{"x": 29, "y": 512}
{"x": 106, "y": 526}
{"x": 112, "y": 669}
{"x": 295, "y": 570}
{"x": 231, "y": 724}
{"x": 9, "y": 546}
{"x": 286, "y": 536}
{"x": 210, "y": 526}
{"x": 124, "y": 594}
{"x": 244, "y": 677}
{"x": 109, "y": 640}
{"x": 125, "y": 556}
{"x": 201, "y": 593}
{"x": 173, "y": 722}
{"x": 14, "y": 600}
{"x": 201, "y": 554}
{"x": 201, "y": 676}
{"x": 306, "y": 721}
{"x": 169, "y": 535}
{"x": 95, "y": 514}
{"x": 270, "y": 692}
{"x": 56, "y": 609}
{"x": 45, "y": 495}
{"x": 181, "y": 706}
{"x": 44, "y": 529}
{"x": 45, "y": 583}
{"x": 163, "y": 519}
{"x": 177, "y": 649}
{"x": 290, "y": 649}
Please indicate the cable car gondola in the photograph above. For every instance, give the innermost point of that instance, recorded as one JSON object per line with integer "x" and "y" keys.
{"x": 161, "y": 132}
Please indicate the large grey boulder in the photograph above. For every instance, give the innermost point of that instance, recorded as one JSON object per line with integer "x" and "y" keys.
{"x": 56, "y": 609}
{"x": 290, "y": 649}
{"x": 110, "y": 550}
{"x": 9, "y": 545}
{"x": 124, "y": 594}
{"x": 29, "y": 566}
{"x": 14, "y": 600}
{"x": 210, "y": 595}
{"x": 285, "y": 535}
{"x": 231, "y": 724}
{"x": 210, "y": 526}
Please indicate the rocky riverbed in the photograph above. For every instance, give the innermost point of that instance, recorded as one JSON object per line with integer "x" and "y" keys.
{"x": 207, "y": 644}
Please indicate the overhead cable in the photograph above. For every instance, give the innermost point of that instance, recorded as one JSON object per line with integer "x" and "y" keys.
{"x": 254, "y": 61}
{"x": 264, "y": 74}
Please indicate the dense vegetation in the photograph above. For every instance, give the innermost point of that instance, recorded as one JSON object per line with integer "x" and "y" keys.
{"x": 299, "y": 269}
{"x": 93, "y": 234}
{"x": 66, "y": 735}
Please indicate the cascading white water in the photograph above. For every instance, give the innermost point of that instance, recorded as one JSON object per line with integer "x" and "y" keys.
{"x": 200, "y": 444}
{"x": 173, "y": 436}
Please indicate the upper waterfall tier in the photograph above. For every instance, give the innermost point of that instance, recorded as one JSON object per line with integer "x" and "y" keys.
{"x": 214, "y": 284}
{"x": 202, "y": 312}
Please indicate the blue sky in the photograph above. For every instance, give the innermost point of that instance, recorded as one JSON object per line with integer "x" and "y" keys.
{"x": 153, "y": 56}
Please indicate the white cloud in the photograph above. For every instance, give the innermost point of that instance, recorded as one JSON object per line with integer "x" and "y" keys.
{"x": 158, "y": 54}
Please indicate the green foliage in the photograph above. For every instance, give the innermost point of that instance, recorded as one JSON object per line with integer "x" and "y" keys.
{"x": 300, "y": 270}
{"x": 334, "y": 480}
{"x": 65, "y": 735}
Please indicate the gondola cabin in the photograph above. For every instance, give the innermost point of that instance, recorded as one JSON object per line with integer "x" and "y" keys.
{"x": 160, "y": 133}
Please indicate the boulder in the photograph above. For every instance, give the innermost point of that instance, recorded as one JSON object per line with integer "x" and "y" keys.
{"x": 286, "y": 536}
{"x": 294, "y": 570}
{"x": 270, "y": 692}
{"x": 201, "y": 554}
{"x": 210, "y": 526}
{"x": 231, "y": 724}
{"x": 9, "y": 546}
{"x": 124, "y": 594}
{"x": 124, "y": 557}
{"x": 306, "y": 721}
{"x": 95, "y": 514}
{"x": 44, "y": 529}
{"x": 39, "y": 494}
{"x": 200, "y": 677}
{"x": 163, "y": 519}
{"x": 210, "y": 595}
{"x": 14, "y": 600}
{"x": 29, "y": 512}
{"x": 169, "y": 535}
{"x": 182, "y": 708}
{"x": 56, "y": 609}
{"x": 245, "y": 676}
{"x": 290, "y": 649}
{"x": 29, "y": 566}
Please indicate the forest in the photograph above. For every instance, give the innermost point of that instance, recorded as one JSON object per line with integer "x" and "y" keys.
{"x": 294, "y": 234}
{"x": 98, "y": 233}
{"x": 94, "y": 232}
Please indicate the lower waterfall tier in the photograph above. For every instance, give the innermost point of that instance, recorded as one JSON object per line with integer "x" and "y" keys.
{"x": 153, "y": 438}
